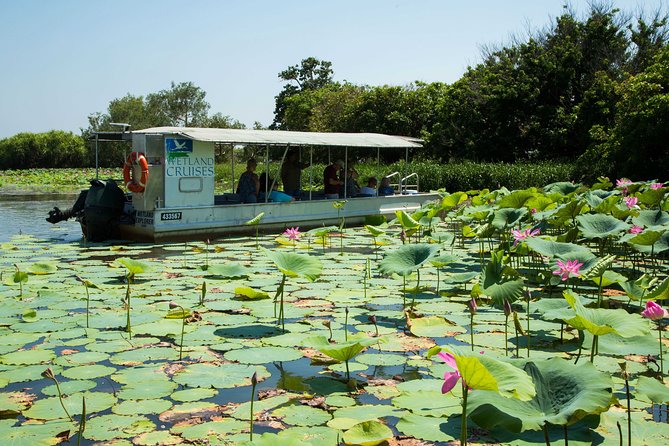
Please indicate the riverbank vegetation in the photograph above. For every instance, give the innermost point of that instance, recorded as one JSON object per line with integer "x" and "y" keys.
{"x": 590, "y": 90}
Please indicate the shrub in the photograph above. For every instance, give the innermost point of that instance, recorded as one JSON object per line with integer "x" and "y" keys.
{"x": 51, "y": 149}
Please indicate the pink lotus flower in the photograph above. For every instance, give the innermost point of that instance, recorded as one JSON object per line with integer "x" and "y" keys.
{"x": 293, "y": 234}
{"x": 631, "y": 202}
{"x": 472, "y": 306}
{"x": 520, "y": 236}
{"x": 569, "y": 269}
{"x": 656, "y": 185}
{"x": 636, "y": 229}
{"x": 450, "y": 378}
{"x": 623, "y": 182}
{"x": 654, "y": 311}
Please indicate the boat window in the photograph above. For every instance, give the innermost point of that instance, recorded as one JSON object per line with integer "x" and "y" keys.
{"x": 190, "y": 184}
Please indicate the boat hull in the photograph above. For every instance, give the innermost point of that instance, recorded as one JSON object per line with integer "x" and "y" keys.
{"x": 189, "y": 223}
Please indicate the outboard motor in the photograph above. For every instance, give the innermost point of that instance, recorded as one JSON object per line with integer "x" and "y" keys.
{"x": 98, "y": 209}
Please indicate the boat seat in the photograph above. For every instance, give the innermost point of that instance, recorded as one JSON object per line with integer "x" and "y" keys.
{"x": 227, "y": 199}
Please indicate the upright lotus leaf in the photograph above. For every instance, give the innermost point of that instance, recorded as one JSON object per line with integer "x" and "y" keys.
{"x": 134, "y": 266}
{"x": 562, "y": 188}
{"x": 608, "y": 205}
{"x": 499, "y": 281}
{"x": 651, "y": 197}
{"x": 600, "y": 266}
{"x": 41, "y": 268}
{"x": 407, "y": 258}
{"x": 406, "y": 220}
{"x": 249, "y": 293}
{"x": 368, "y": 433}
{"x": 507, "y": 217}
{"x": 517, "y": 198}
{"x": 646, "y": 238}
{"x": 228, "y": 270}
{"x": 568, "y": 212}
{"x": 483, "y": 372}
{"x": 601, "y": 321}
{"x": 452, "y": 200}
{"x": 539, "y": 203}
{"x": 444, "y": 259}
{"x": 255, "y": 220}
{"x": 637, "y": 289}
{"x": 600, "y": 226}
{"x": 375, "y": 231}
{"x": 478, "y": 213}
{"x": 341, "y": 351}
{"x": 551, "y": 248}
{"x": 650, "y": 218}
{"x": 565, "y": 393}
{"x": 296, "y": 265}
{"x": 661, "y": 245}
{"x": 660, "y": 292}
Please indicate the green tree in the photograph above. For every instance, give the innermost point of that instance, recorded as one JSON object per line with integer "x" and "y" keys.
{"x": 183, "y": 105}
{"x": 51, "y": 149}
{"x": 311, "y": 74}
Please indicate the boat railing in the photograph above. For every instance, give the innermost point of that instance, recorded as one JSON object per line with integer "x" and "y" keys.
{"x": 410, "y": 188}
{"x": 397, "y": 185}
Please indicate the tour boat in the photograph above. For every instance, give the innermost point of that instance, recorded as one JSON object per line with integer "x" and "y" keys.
{"x": 170, "y": 176}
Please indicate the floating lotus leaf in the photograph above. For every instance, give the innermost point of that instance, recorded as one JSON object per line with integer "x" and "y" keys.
{"x": 144, "y": 355}
{"x": 262, "y": 355}
{"x": 51, "y": 409}
{"x": 298, "y": 415}
{"x": 347, "y": 417}
{"x": 147, "y": 390}
{"x": 27, "y": 357}
{"x": 219, "y": 376}
{"x": 69, "y": 387}
{"x": 407, "y": 258}
{"x": 368, "y": 433}
{"x": 108, "y": 427}
{"x": 380, "y": 359}
{"x": 428, "y": 402}
{"x": 163, "y": 438}
{"x": 296, "y": 265}
{"x": 195, "y": 394}
{"x": 600, "y": 225}
{"x": 141, "y": 407}
{"x": 600, "y": 321}
{"x": 211, "y": 430}
{"x": 429, "y": 428}
{"x": 41, "y": 268}
{"x": 565, "y": 393}
{"x": 250, "y": 293}
{"x": 656, "y": 391}
{"x": 433, "y": 327}
{"x": 88, "y": 371}
{"x": 33, "y": 434}
{"x": 228, "y": 270}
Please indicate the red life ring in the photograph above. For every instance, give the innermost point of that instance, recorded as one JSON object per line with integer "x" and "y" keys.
{"x": 133, "y": 185}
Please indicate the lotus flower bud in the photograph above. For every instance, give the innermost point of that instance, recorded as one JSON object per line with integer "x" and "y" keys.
{"x": 254, "y": 378}
{"x": 507, "y": 308}
{"x": 48, "y": 373}
{"x": 372, "y": 319}
{"x": 173, "y": 305}
{"x": 472, "y": 306}
{"x": 326, "y": 323}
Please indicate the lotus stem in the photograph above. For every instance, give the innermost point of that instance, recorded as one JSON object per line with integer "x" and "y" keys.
{"x": 620, "y": 433}
{"x": 629, "y": 412}
{"x": 506, "y": 335}
{"x": 471, "y": 330}
{"x": 348, "y": 373}
{"x": 282, "y": 316}
{"x": 545, "y": 429}
{"x": 127, "y": 303}
{"x": 346, "y": 327}
{"x": 593, "y": 348}
{"x": 529, "y": 297}
{"x": 87, "y": 303}
{"x": 82, "y": 422}
{"x": 566, "y": 435}
{"x": 415, "y": 291}
{"x": 254, "y": 382}
{"x": 463, "y": 422}
{"x": 659, "y": 332}
{"x": 48, "y": 373}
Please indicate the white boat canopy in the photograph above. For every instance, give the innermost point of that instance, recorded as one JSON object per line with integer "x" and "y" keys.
{"x": 281, "y": 137}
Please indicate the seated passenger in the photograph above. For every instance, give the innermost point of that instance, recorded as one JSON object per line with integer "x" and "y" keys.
{"x": 352, "y": 187}
{"x": 291, "y": 174}
{"x": 370, "y": 189}
{"x": 249, "y": 184}
{"x": 331, "y": 179}
{"x": 274, "y": 195}
{"x": 385, "y": 188}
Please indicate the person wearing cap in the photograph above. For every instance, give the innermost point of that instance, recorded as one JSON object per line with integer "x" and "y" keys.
{"x": 331, "y": 179}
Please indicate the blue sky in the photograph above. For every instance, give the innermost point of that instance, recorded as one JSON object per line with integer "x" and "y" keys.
{"x": 66, "y": 59}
